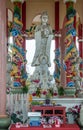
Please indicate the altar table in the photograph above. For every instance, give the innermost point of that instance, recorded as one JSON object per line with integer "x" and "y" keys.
{"x": 63, "y": 127}
{"x": 51, "y": 111}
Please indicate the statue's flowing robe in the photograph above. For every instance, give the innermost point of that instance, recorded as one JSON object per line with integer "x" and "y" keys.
{"x": 42, "y": 50}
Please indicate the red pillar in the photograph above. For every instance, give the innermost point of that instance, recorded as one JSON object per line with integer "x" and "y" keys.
{"x": 57, "y": 78}
{"x": 57, "y": 23}
{"x": 24, "y": 15}
{"x": 24, "y": 19}
{"x": 80, "y": 33}
{"x": 59, "y": 71}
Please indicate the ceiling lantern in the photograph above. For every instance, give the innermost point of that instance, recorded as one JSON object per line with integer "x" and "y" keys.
{"x": 69, "y": 1}
{"x": 18, "y": 1}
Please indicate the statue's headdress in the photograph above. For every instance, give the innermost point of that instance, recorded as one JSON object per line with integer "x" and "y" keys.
{"x": 44, "y": 13}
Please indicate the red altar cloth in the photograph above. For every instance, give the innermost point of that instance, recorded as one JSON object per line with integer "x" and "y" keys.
{"x": 63, "y": 127}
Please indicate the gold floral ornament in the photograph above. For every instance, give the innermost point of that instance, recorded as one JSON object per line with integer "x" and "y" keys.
{"x": 30, "y": 98}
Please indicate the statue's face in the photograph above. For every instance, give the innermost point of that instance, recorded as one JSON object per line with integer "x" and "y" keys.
{"x": 44, "y": 19}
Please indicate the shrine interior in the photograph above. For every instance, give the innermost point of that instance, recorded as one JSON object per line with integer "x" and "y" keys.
{"x": 41, "y": 64}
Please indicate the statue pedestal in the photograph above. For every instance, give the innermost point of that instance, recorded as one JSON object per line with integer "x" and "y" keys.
{"x": 4, "y": 122}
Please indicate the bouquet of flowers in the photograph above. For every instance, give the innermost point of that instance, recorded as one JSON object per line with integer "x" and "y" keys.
{"x": 75, "y": 110}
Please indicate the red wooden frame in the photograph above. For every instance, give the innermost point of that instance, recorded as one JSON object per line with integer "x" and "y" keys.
{"x": 43, "y": 109}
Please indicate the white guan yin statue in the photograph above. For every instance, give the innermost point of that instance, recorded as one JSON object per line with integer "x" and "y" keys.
{"x": 41, "y": 59}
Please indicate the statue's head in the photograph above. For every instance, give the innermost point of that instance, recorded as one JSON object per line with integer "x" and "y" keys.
{"x": 44, "y": 17}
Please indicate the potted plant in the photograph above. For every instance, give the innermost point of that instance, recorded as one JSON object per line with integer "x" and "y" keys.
{"x": 25, "y": 89}
{"x": 61, "y": 91}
